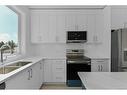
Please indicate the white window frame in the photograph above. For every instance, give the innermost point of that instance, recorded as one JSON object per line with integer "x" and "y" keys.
{"x": 21, "y": 33}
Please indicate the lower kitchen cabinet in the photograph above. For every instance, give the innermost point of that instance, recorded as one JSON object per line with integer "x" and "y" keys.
{"x": 19, "y": 81}
{"x": 30, "y": 78}
{"x": 100, "y": 65}
{"x": 54, "y": 71}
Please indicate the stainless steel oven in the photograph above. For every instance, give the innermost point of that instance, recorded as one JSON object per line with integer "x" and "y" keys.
{"x": 76, "y": 36}
{"x": 76, "y": 62}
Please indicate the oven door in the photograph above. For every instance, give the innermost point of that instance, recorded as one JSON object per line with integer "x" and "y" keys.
{"x": 72, "y": 73}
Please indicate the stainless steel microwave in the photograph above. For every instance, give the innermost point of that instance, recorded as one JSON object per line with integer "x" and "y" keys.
{"x": 76, "y": 36}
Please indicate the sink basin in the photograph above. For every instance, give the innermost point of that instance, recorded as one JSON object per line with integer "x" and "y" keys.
{"x": 12, "y": 67}
{"x": 20, "y": 63}
{"x": 5, "y": 70}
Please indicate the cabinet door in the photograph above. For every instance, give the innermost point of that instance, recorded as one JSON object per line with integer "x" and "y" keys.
{"x": 35, "y": 33}
{"x": 58, "y": 71}
{"x": 101, "y": 65}
{"x": 44, "y": 28}
{"x": 99, "y": 28}
{"x": 61, "y": 29}
{"x": 70, "y": 22}
{"x": 52, "y": 28}
{"x": 90, "y": 27}
{"x": 81, "y": 22}
{"x": 19, "y": 81}
{"x": 95, "y": 67}
{"x": 105, "y": 67}
{"x": 41, "y": 73}
{"x": 35, "y": 76}
{"x": 47, "y": 71}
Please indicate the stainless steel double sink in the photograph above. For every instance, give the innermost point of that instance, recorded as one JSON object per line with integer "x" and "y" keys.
{"x": 12, "y": 67}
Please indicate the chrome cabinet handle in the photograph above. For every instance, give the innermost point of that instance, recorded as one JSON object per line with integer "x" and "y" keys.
{"x": 98, "y": 67}
{"x": 40, "y": 66}
{"x": 31, "y": 73}
{"x": 28, "y": 74}
{"x": 101, "y": 67}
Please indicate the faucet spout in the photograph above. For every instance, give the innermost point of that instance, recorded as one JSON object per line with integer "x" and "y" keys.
{"x": 1, "y": 56}
{"x": 2, "y": 51}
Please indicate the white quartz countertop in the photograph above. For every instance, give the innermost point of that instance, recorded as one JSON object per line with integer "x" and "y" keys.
{"x": 104, "y": 80}
{"x": 4, "y": 77}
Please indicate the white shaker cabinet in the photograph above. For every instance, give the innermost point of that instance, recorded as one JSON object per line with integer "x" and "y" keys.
{"x": 51, "y": 26}
{"x": 44, "y": 28}
{"x": 35, "y": 76}
{"x": 90, "y": 28}
{"x": 54, "y": 71}
{"x": 19, "y": 81}
{"x": 59, "y": 71}
{"x": 100, "y": 65}
{"x": 35, "y": 27}
{"x": 26, "y": 79}
{"x": 99, "y": 28}
{"x": 76, "y": 22}
{"x": 95, "y": 25}
{"x": 47, "y": 27}
{"x": 71, "y": 22}
{"x": 61, "y": 28}
{"x": 82, "y": 22}
{"x": 47, "y": 71}
{"x": 41, "y": 73}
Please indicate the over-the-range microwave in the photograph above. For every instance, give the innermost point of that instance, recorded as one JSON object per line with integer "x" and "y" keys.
{"x": 76, "y": 36}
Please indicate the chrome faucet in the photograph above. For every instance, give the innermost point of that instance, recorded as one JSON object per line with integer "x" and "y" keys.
{"x": 3, "y": 47}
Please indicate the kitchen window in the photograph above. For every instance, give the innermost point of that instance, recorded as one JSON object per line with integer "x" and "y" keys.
{"x": 9, "y": 40}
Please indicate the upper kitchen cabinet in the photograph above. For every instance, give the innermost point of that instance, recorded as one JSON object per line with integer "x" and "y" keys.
{"x": 51, "y": 26}
{"x": 118, "y": 17}
{"x": 60, "y": 28}
{"x": 35, "y": 18}
{"x": 99, "y": 28}
{"x": 82, "y": 22}
{"x": 90, "y": 27}
{"x": 76, "y": 22}
{"x": 47, "y": 27}
{"x": 95, "y": 28}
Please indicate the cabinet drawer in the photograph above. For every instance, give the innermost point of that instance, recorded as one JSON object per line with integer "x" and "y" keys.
{"x": 59, "y": 61}
{"x": 56, "y": 68}
{"x": 59, "y": 77}
{"x": 100, "y": 61}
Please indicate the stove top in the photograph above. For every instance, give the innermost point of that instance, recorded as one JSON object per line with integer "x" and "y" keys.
{"x": 78, "y": 60}
{"x": 76, "y": 56}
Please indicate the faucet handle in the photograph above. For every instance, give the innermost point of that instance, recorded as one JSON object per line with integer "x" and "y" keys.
{"x": 5, "y": 58}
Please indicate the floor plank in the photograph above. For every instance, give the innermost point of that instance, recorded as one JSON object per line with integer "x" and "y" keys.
{"x": 59, "y": 87}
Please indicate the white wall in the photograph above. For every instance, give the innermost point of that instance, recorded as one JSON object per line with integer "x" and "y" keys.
{"x": 24, "y": 36}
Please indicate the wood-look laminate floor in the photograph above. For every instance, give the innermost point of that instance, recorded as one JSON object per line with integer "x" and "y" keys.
{"x": 59, "y": 87}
